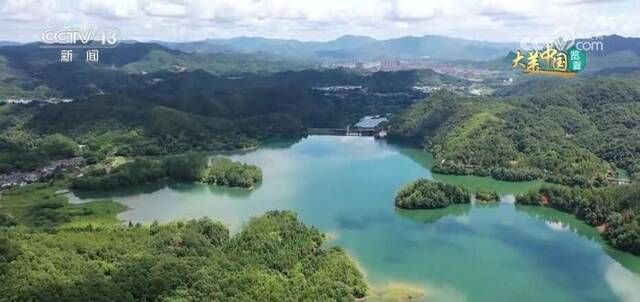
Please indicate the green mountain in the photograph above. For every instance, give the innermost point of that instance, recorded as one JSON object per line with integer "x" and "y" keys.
{"x": 214, "y": 63}
{"x": 618, "y": 55}
{"x": 566, "y": 131}
{"x": 120, "y": 110}
{"x": 31, "y": 71}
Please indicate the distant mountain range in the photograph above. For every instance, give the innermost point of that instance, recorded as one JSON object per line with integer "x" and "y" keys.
{"x": 236, "y": 57}
{"x": 618, "y": 53}
{"x": 8, "y": 43}
{"x": 355, "y": 48}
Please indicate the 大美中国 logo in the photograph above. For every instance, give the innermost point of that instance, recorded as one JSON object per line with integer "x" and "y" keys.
{"x": 551, "y": 61}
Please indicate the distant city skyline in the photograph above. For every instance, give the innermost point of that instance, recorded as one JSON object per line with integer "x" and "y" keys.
{"x": 191, "y": 20}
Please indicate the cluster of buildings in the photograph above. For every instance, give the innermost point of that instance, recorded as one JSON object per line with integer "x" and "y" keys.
{"x": 337, "y": 88}
{"x": 468, "y": 71}
{"x": 471, "y": 73}
{"x": 444, "y": 86}
{"x": 23, "y": 178}
{"x": 341, "y": 91}
{"x": 373, "y": 66}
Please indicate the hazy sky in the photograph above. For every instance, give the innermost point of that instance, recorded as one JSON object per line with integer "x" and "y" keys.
{"x": 186, "y": 20}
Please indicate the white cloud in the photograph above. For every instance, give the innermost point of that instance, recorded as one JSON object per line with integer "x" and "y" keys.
{"x": 415, "y": 10}
{"x": 160, "y": 9}
{"x": 495, "y": 20}
{"x": 112, "y": 9}
{"x": 26, "y": 10}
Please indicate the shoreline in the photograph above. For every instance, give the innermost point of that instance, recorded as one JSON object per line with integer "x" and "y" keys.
{"x": 395, "y": 291}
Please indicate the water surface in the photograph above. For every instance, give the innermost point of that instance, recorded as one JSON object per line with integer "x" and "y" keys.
{"x": 345, "y": 186}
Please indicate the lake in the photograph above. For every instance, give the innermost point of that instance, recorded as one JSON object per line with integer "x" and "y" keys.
{"x": 345, "y": 186}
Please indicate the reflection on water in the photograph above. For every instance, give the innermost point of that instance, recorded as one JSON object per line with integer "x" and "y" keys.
{"x": 346, "y": 186}
{"x": 559, "y": 221}
{"x": 79, "y": 196}
{"x": 233, "y": 193}
{"x": 431, "y": 216}
{"x": 557, "y": 226}
{"x": 473, "y": 183}
{"x": 625, "y": 284}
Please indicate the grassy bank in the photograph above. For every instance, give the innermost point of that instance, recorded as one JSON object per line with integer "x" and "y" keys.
{"x": 42, "y": 205}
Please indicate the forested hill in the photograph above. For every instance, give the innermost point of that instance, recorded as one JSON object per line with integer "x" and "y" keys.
{"x": 274, "y": 258}
{"x": 32, "y": 71}
{"x": 573, "y": 132}
{"x": 146, "y": 57}
{"x": 117, "y": 112}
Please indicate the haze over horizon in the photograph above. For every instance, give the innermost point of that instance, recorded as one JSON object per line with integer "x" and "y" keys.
{"x": 192, "y": 20}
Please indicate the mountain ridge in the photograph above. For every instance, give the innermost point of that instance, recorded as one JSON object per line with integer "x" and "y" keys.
{"x": 353, "y": 47}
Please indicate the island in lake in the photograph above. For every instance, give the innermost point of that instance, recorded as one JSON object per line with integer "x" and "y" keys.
{"x": 191, "y": 168}
{"x": 426, "y": 194}
{"x": 486, "y": 196}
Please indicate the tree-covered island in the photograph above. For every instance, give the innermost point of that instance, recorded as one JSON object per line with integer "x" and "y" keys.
{"x": 194, "y": 168}
{"x": 486, "y": 196}
{"x": 425, "y": 194}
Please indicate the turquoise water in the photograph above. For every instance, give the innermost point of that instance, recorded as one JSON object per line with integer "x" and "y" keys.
{"x": 345, "y": 186}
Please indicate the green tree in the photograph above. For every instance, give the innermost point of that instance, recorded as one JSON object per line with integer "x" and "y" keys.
{"x": 58, "y": 146}
{"x": 425, "y": 194}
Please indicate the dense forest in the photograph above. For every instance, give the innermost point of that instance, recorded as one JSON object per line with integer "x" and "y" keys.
{"x": 274, "y": 258}
{"x": 116, "y": 112}
{"x": 220, "y": 171}
{"x": 53, "y": 250}
{"x": 425, "y": 194}
{"x": 573, "y": 132}
{"x": 617, "y": 209}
